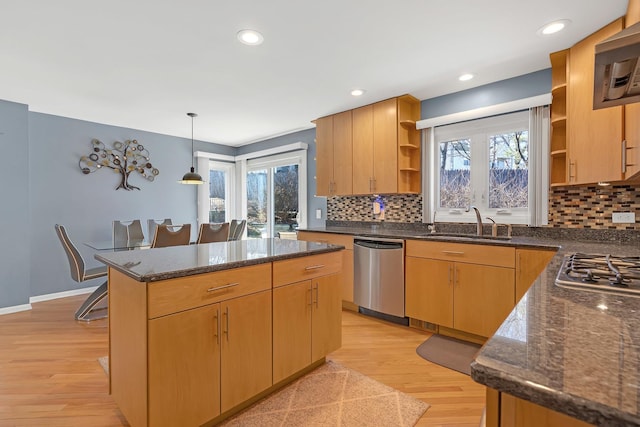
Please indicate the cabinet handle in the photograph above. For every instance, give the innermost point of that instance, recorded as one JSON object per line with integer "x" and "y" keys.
{"x": 450, "y": 270}
{"x": 374, "y": 185}
{"x": 314, "y": 267}
{"x": 624, "y": 156}
{"x": 226, "y": 313}
{"x": 317, "y": 294}
{"x": 310, "y": 296}
{"x": 453, "y": 252}
{"x": 217, "y": 317}
{"x": 219, "y": 288}
{"x": 456, "y": 279}
{"x": 571, "y": 167}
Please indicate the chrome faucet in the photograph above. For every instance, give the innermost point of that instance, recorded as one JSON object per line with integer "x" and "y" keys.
{"x": 478, "y": 220}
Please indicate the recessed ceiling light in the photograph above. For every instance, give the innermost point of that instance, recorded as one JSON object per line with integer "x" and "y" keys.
{"x": 250, "y": 37}
{"x": 554, "y": 27}
{"x": 465, "y": 77}
{"x": 357, "y": 92}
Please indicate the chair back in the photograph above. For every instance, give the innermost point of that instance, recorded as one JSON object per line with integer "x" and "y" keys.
{"x": 153, "y": 223}
{"x": 125, "y": 232}
{"x": 236, "y": 228}
{"x": 76, "y": 263}
{"x": 210, "y": 232}
{"x": 171, "y": 235}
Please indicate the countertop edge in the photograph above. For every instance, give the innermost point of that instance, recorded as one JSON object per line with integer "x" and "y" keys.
{"x": 154, "y": 277}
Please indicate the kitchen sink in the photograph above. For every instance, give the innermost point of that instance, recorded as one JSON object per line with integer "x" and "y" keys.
{"x": 466, "y": 236}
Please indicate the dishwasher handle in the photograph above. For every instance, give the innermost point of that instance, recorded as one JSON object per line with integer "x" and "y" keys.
{"x": 378, "y": 244}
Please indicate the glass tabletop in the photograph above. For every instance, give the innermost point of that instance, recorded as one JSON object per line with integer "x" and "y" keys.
{"x": 104, "y": 245}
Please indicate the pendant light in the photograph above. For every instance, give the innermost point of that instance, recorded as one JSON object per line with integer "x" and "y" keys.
{"x": 191, "y": 177}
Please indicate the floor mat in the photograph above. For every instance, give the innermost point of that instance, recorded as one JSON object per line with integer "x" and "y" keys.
{"x": 449, "y": 352}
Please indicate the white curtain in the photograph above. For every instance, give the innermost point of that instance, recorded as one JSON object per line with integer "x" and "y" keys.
{"x": 539, "y": 129}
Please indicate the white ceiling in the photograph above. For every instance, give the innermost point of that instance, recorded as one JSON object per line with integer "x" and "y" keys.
{"x": 144, "y": 64}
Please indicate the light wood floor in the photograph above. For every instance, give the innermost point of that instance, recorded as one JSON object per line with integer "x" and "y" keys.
{"x": 50, "y": 376}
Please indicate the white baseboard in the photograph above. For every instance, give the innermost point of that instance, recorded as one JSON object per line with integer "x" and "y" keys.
{"x": 63, "y": 294}
{"x": 15, "y": 309}
{"x": 47, "y": 297}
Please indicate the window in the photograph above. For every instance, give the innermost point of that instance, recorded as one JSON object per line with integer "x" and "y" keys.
{"x": 216, "y": 197}
{"x": 276, "y": 194}
{"x": 484, "y": 163}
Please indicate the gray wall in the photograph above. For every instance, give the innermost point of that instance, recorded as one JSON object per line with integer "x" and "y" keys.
{"x": 14, "y": 209}
{"x": 525, "y": 86}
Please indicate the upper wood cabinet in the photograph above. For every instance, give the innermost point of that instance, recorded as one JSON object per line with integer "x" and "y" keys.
{"x": 384, "y": 144}
{"x": 587, "y": 145}
{"x": 334, "y": 155}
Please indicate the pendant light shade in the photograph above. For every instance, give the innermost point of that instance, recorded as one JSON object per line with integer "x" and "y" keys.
{"x": 191, "y": 177}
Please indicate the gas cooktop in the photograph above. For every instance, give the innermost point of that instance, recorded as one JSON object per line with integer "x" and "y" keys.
{"x": 605, "y": 273}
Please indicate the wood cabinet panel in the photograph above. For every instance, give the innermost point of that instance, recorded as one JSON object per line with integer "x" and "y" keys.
{"x": 363, "y": 150}
{"x": 517, "y": 412}
{"x": 324, "y": 155}
{"x": 483, "y": 297}
{"x": 170, "y": 296}
{"x": 292, "y": 305}
{"x": 184, "y": 393}
{"x": 326, "y": 323}
{"x": 385, "y": 146}
{"x": 299, "y": 269}
{"x": 595, "y": 136}
{"x": 246, "y": 348}
{"x": 500, "y": 256}
{"x": 429, "y": 290}
{"x": 529, "y": 265}
{"x": 342, "y": 154}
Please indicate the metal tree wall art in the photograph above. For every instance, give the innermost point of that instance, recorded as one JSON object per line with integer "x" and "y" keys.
{"x": 124, "y": 158}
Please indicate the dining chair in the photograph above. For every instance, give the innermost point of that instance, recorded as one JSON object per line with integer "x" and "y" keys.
{"x": 236, "y": 228}
{"x": 153, "y": 223}
{"x": 171, "y": 235}
{"x": 126, "y": 231}
{"x": 213, "y": 232}
{"x": 80, "y": 274}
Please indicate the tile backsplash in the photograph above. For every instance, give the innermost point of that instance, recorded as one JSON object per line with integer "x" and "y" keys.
{"x": 589, "y": 207}
{"x": 592, "y": 206}
{"x": 397, "y": 208}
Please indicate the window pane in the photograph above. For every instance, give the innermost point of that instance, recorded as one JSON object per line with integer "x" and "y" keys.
{"x": 509, "y": 170}
{"x": 217, "y": 196}
{"x": 257, "y": 203}
{"x": 455, "y": 166}
{"x": 285, "y": 194}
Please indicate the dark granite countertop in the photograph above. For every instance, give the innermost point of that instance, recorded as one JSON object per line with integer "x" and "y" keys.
{"x": 149, "y": 265}
{"x": 570, "y": 350}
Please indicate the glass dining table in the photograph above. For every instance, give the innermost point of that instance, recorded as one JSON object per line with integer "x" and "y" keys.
{"x": 108, "y": 245}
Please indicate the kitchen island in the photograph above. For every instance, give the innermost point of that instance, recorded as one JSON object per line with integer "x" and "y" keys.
{"x": 198, "y": 332}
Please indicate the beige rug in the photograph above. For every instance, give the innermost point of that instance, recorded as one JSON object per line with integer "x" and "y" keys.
{"x": 333, "y": 395}
{"x": 330, "y": 395}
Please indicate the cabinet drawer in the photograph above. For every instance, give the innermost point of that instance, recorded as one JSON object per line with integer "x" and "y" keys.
{"x": 298, "y": 269}
{"x": 174, "y": 295}
{"x": 499, "y": 256}
{"x": 334, "y": 239}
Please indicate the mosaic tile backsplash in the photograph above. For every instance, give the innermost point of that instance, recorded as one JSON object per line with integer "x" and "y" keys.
{"x": 593, "y": 206}
{"x": 587, "y": 207}
{"x": 397, "y": 208}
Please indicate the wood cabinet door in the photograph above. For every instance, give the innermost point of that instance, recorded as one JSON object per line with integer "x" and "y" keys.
{"x": 346, "y": 276}
{"x": 291, "y": 329}
{"x": 529, "y": 265}
{"x": 595, "y": 136}
{"x": 324, "y": 156}
{"x": 363, "y": 150}
{"x": 342, "y": 154}
{"x": 429, "y": 290}
{"x": 246, "y": 348}
{"x": 483, "y": 296}
{"x": 326, "y": 320}
{"x": 385, "y": 146}
{"x": 184, "y": 367}
{"x": 632, "y": 138}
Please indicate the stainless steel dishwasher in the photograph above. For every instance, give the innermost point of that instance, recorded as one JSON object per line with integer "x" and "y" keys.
{"x": 378, "y": 277}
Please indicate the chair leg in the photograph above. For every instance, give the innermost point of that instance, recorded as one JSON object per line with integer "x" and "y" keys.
{"x": 88, "y": 305}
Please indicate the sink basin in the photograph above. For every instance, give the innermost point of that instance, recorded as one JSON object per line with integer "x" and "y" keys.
{"x": 465, "y": 236}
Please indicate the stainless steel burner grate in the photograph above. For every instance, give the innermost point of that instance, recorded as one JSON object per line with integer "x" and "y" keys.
{"x": 602, "y": 272}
